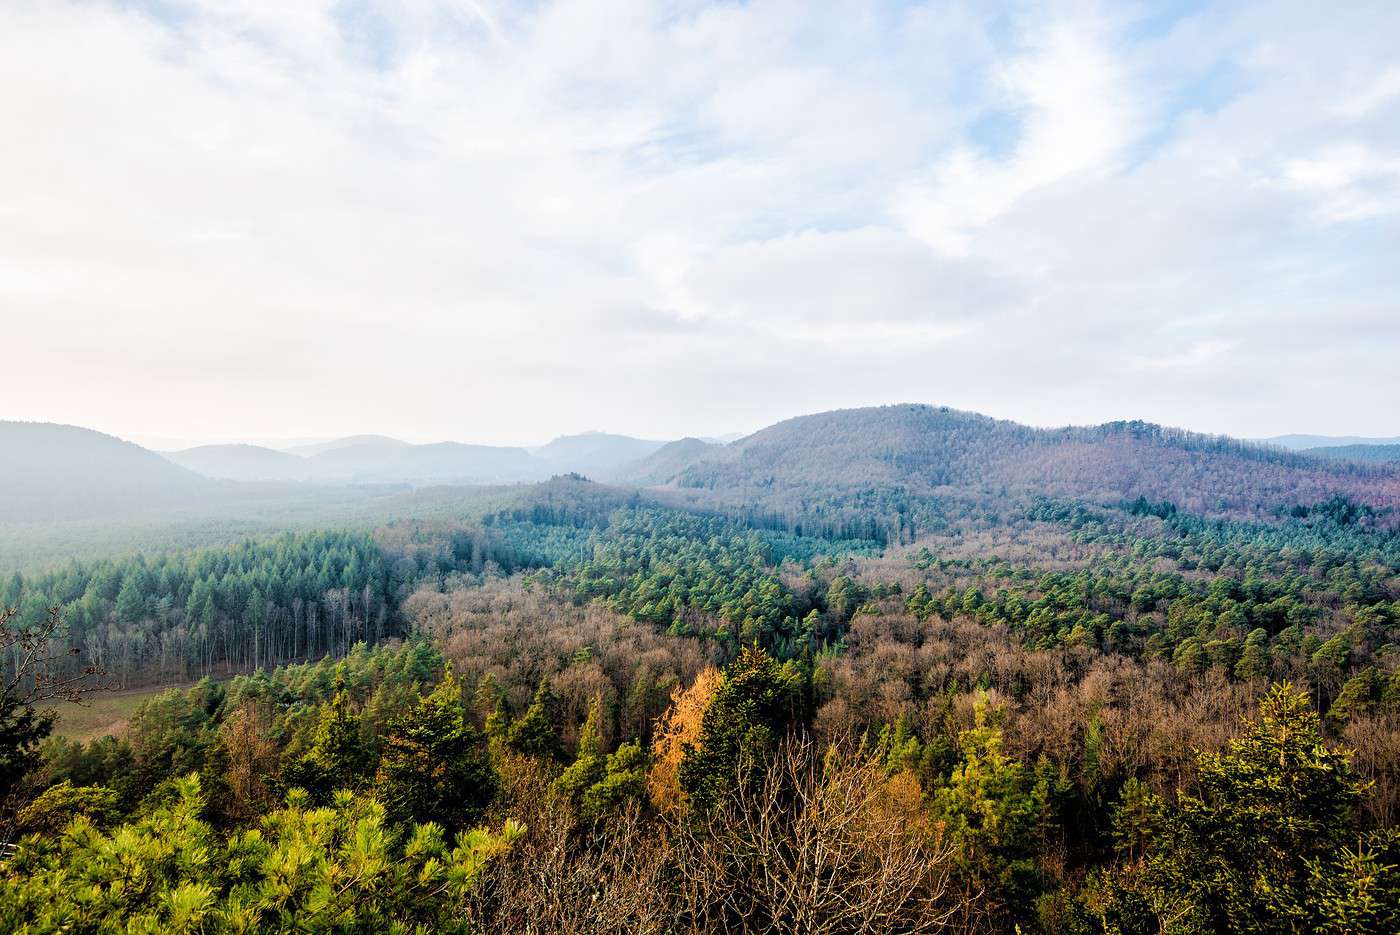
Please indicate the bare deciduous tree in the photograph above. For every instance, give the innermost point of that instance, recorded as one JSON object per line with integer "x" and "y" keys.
{"x": 816, "y": 841}
{"x": 37, "y": 656}
{"x": 36, "y": 673}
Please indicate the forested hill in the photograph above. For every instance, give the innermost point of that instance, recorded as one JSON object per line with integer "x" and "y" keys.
{"x": 596, "y": 454}
{"x": 56, "y": 472}
{"x": 1311, "y": 442}
{"x": 872, "y": 462}
{"x": 377, "y": 459}
{"x": 366, "y": 459}
{"x": 241, "y": 462}
{"x": 1365, "y": 453}
{"x": 936, "y": 451}
{"x": 440, "y": 463}
{"x": 663, "y": 465}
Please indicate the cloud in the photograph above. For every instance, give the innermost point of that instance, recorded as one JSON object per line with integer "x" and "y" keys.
{"x": 1193, "y": 356}
{"x": 1075, "y": 114}
{"x": 825, "y": 278}
{"x": 1356, "y": 182}
{"x": 499, "y": 221}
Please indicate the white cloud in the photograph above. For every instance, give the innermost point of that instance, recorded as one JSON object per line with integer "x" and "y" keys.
{"x": 1377, "y": 92}
{"x": 499, "y": 221}
{"x": 1193, "y": 356}
{"x": 1073, "y": 100}
{"x": 1357, "y": 183}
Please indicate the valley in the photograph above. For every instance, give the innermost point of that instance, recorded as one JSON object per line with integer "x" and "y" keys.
{"x": 687, "y": 467}
{"x": 1052, "y": 624}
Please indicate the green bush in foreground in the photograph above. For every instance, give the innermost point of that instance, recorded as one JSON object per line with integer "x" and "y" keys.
{"x": 1272, "y": 843}
{"x": 342, "y": 868}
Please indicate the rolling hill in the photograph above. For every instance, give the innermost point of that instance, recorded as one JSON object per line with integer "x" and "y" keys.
{"x": 595, "y": 454}
{"x": 365, "y": 459}
{"x": 664, "y": 464}
{"x": 928, "y": 451}
{"x": 241, "y": 463}
{"x": 1371, "y": 454}
{"x": 378, "y": 459}
{"x": 1312, "y": 442}
{"x": 54, "y": 472}
{"x": 821, "y": 464}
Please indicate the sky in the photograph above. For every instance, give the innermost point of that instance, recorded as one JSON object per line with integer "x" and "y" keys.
{"x": 501, "y": 222}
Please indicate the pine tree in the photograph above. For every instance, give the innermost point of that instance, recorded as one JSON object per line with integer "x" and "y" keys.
{"x": 588, "y": 765}
{"x": 1273, "y": 823}
{"x": 753, "y": 707}
{"x": 992, "y": 809}
{"x": 535, "y": 733}
{"x": 624, "y": 778}
{"x": 338, "y": 758}
{"x": 336, "y": 869}
{"x": 1254, "y": 659}
{"x": 131, "y": 600}
{"x": 434, "y": 767}
{"x": 1356, "y": 697}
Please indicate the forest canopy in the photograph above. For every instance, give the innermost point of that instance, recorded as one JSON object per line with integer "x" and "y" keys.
{"x": 784, "y": 702}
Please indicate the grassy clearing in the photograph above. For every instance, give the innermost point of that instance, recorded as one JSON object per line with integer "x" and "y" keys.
{"x": 101, "y": 714}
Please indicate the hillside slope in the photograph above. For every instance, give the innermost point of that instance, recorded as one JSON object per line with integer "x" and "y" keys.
{"x": 933, "y": 451}
{"x": 54, "y": 472}
{"x": 1369, "y": 454}
{"x": 667, "y": 462}
{"x": 595, "y": 454}
{"x": 241, "y": 463}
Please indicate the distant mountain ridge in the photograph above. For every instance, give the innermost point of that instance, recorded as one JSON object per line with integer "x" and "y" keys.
{"x": 366, "y": 460}
{"x": 1377, "y": 454}
{"x": 915, "y": 451}
{"x": 379, "y": 459}
{"x": 52, "y": 472}
{"x": 664, "y": 464}
{"x": 241, "y": 463}
{"x": 933, "y": 451}
{"x": 1309, "y": 442}
{"x": 596, "y": 454}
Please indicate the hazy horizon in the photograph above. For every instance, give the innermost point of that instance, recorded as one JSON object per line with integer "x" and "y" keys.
{"x": 162, "y": 443}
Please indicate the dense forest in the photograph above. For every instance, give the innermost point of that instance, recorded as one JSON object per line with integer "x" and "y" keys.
{"x": 901, "y": 471}
{"x": 1363, "y": 453}
{"x": 256, "y": 605}
{"x": 778, "y": 700}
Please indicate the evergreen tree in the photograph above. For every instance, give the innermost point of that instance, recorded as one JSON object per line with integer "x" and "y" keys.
{"x": 623, "y": 779}
{"x": 131, "y": 600}
{"x": 1254, "y": 658}
{"x": 1355, "y": 698}
{"x": 756, "y": 702}
{"x": 1274, "y": 823}
{"x": 338, "y": 869}
{"x": 22, "y": 729}
{"x": 993, "y": 809}
{"x": 338, "y": 758}
{"x": 594, "y": 783}
{"x": 536, "y": 732}
{"x": 434, "y": 767}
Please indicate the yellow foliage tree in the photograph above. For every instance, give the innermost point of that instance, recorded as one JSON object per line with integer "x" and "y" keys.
{"x": 675, "y": 730}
